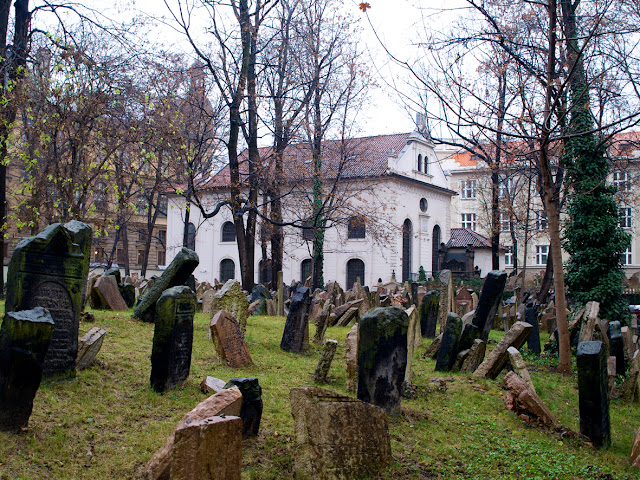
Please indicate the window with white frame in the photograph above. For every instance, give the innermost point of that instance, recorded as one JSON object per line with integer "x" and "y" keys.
{"x": 508, "y": 256}
{"x": 542, "y": 254}
{"x": 621, "y": 181}
{"x": 468, "y": 189}
{"x": 506, "y": 188}
{"x": 625, "y": 217}
{"x": 505, "y": 222}
{"x": 541, "y": 221}
{"x": 626, "y": 258}
{"x": 469, "y": 221}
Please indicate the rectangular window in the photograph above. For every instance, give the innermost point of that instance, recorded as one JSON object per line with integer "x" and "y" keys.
{"x": 625, "y": 217}
{"x": 120, "y": 256}
{"x": 541, "y": 221}
{"x": 469, "y": 221}
{"x": 140, "y": 257}
{"x": 626, "y": 258}
{"x": 508, "y": 257}
{"x": 356, "y": 228}
{"x": 162, "y": 236}
{"x": 542, "y": 253}
{"x": 142, "y": 235}
{"x": 621, "y": 181}
{"x": 506, "y": 188}
{"x": 505, "y": 222}
{"x": 162, "y": 257}
{"x": 468, "y": 188}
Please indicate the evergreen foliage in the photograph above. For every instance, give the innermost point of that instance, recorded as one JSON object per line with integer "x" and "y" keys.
{"x": 593, "y": 236}
{"x": 422, "y": 275}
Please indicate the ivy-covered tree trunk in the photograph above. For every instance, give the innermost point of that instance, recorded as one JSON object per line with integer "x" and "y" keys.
{"x": 593, "y": 236}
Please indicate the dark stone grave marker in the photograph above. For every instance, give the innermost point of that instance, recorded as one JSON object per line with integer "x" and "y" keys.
{"x": 48, "y": 271}
{"x": 593, "y": 393}
{"x": 449, "y": 346}
{"x": 382, "y": 357}
{"x": 429, "y": 313}
{"x": 616, "y": 347}
{"x": 172, "y": 338}
{"x": 295, "y": 327}
{"x": 251, "y": 410}
{"x": 531, "y": 317}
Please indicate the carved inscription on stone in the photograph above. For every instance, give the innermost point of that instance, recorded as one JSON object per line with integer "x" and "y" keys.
{"x": 182, "y": 341}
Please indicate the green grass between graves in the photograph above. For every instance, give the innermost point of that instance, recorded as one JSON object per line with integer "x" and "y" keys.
{"x": 107, "y": 422}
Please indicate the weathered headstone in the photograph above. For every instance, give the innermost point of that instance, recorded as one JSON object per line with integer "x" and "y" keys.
{"x": 280, "y": 308}
{"x": 24, "y": 339}
{"x": 296, "y": 325}
{"x": 324, "y": 364}
{"x": 232, "y": 299}
{"x": 616, "y": 347}
{"x": 47, "y": 271}
{"x": 463, "y": 301}
{"x": 227, "y": 402}
{"x": 593, "y": 393}
{"x": 490, "y": 298}
{"x": 172, "y": 338}
{"x": 531, "y": 317}
{"x": 194, "y": 443}
{"x": 446, "y": 297}
{"x": 429, "y": 313}
{"x": 634, "y": 458}
{"x": 519, "y": 367}
{"x": 322, "y": 322}
{"x": 128, "y": 292}
{"x": 498, "y": 357}
{"x": 251, "y": 411}
{"x": 109, "y": 293}
{"x": 261, "y": 294}
{"x": 449, "y": 347}
{"x": 475, "y": 356}
{"x": 227, "y": 340}
{"x": 176, "y": 274}
{"x": 89, "y": 346}
{"x": 82, "y": 236}
{"x": 337, "y": 437}
{"x": 414, "y": 339}
{"x": 352, "y": 359}
{"x": 212, "y": 384}
{"x": 351, "y": 315}
{"x": 382, "y": 357}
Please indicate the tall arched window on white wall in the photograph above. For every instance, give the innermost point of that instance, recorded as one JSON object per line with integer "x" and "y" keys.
{"x": 227, "y": 270}
{"x": 419, "y": 162}
{"x": 228, "y": 232}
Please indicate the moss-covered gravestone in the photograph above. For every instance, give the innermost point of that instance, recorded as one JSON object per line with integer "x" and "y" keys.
{"x": 48, "y": 271}
{"x": 24, "y": 339}
{"x": 429, "y": 313}
{"x": 593, "y": 393}
{"x": 449, "y": 347}
{"x": 616, "y": 348}
{"x": 259, "y": 292}
{"x": 172, "y": 338}
{"x": 531, "y": 317}
{"x": 82, "y": 235}
{"x": 382, "y": 357}
{"x": 177, "y": 273}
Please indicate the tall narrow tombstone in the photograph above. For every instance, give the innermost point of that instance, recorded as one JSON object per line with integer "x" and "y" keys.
{"x": 429, "y": 313}
{"x": 296, "y": 325}
{"x": 324, "y": 364}
{"x": 382, "y": 357}
{"x": 172, "y": 338}
{"x": 531, "y": 317}
{"x": 616, "y": 347}
{"x": 446, "y": 297}
{"x": 280, "y": 311}
{"x": 24, "y": 339}
{"x": 82, "y": 235}
{"x": 593, "y": 393}
{"x": 449, "y": 347}
{"x": 351, "y": 357}
{"x": 251, "y": 410}
{"x": 47, "y": 271}
{"x": 176, "y": 274}
{"x": 490, "y": 298}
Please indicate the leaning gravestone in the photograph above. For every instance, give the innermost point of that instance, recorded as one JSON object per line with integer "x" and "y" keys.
{"x": 351, "y": 357}
{"x": 449, "y": 346}
{"x": 382, "y": 357}
{"x": 232, "y": 299}
{"x": 337, "y": 437}
{"x": 24, "y": 339}
{"x": 429, "y": 313}
{"x": 109, "y": 293}
{"x": 296, "y": 325}
{"x": 251, "y": 410}
{"x": 47, "y": 271}
{"x": 593, "y": 397}
{"x": 89, "y": 346}
{"x": 172, "y": 338}
{"x": 227, "y": 340}
{"x": 177, "y": 273}
{"x": 324, "y": 364}
{"x": 260, "y": 293}
{"x": 497, "y": 359}
{"x": 446, "y": 296}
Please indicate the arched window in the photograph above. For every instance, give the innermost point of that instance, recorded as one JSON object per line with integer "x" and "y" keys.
{"x": 264, "y": 272}
{"x": 305, "y": 269}
{"x": 191, "y": 236}
{"x": 407, "y": 234}
{"x": 419, "y": 162}
{"x": 356, "y": 227}
{"x": 355, "y": 270}
{"x": 228, "y": 232}
{"x": 227, "y": 270}
{"x": 435, "y": 244}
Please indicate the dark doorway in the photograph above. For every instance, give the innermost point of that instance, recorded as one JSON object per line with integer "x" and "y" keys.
{"x": 355, "y": 270}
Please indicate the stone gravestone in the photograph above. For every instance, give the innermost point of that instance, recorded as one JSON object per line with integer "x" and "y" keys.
{"x": 192, "y": 457}
{"x": 177, "y": 273}
{"x": 337, "y": 437}
{"x": 351, "y": 357}
{"x": 382, "y": 357}
{"x": 616, "y": 347}
{"x": 47, "y": 271}
{"x": 172, "y": 338}
{"x": 324, "y": 364}
{"x": 531, "y": 317}
{"x": 251, "y": 411}
{"x": 280, "y": 292}
{"x": 593, "y": 393}
{"x": 260, "y": 293}
{"x": 82, "y": 236}
{"x": 449, "y": 346}
{"x": 463, "y": 301}
{"x": 296, "y": 325}
{"x": 228, "y": 342}
{"x": 109, "y": 293}
{"x": 497, "y": 358}
{"x": 24, "y": 339}
{"x": 89, "y": 346}
{"x": 232, "y": 299}
{"x": 429, "y": 313}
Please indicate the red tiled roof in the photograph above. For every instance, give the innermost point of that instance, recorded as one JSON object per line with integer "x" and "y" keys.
{"x": 462, "y": 237}
{"x": 355, "y": 158}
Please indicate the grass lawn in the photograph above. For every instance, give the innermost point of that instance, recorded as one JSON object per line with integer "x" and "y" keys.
{"x": 107, "y": 422}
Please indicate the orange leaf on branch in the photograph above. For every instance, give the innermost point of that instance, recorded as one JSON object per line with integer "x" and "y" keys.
{"x": 364, "y": 6}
